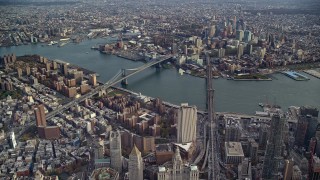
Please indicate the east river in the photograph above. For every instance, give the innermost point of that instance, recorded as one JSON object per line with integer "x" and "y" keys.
{"x": 169, "y": 85}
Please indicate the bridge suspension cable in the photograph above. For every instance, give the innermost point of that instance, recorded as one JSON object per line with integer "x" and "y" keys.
{"x": 113, "y": 81}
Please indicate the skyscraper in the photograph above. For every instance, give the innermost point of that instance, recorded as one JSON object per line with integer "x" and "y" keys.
{"x": 273, "y": 153}
{"x": 232, "y": 130}
{"x": 247, "y": 36}
{"x": 263, "y": 137}
{"x": 314, "y": 171}
{"x": 307, "y": 126}
{"x": 187, "y": 123}
{"x": 115, "y": 150}
{"x": 65, "y": 69}
{"x": 40, "y": 116}
{"x": 240, "y": 50}
{"x": 253, "y": 150}
{"x": 221, "y": 52}
{"x": 249, "y": 49}
{"x": 93, "y": 79}
{"x": 311, "y": 130}
{"x": 212, "y": 31}
{"x": 288, "y": 169}
{"x": 239, "y": 35}
{"x": 12, "y": 140}
{"x": 135, "y": 164}
{"x": 301, "y": 131}
{"x": 244, "y": 169}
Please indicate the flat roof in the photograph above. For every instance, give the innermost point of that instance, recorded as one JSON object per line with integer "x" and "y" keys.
{"x": 194, "y": 168}
{"x": 162, "y": 169}
{"x": 107, "y": 160}
{"x": 234, "y": 149}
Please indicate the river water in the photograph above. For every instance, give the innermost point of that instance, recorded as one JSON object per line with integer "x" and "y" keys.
{"x": 169, "y": 85}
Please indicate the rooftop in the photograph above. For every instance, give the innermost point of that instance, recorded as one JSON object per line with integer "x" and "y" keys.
{"x": 162, "y": 169}
{"x": 185, "y": 146}
{"x": 233, "y": 149}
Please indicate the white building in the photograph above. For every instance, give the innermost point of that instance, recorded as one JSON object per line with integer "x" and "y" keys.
{"x": 186, "y": 124}
{"x": 135, "y": 164}
{"x": 115, "y": 150}
{"x": 178, "y": 171}
{"x": 12, "y": 140}
{"x": 89, "y": 127}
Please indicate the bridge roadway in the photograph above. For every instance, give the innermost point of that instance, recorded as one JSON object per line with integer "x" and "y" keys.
{"x": 203, "y": 147}
{"x": 213, "y": 166}
{"x": 115, "y": 80}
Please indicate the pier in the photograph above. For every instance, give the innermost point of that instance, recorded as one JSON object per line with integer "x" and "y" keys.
{"x": 296, "y": 76}
{"x": 313, "y": 73}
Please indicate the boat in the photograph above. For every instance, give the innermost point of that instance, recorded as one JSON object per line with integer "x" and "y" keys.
{"x": 261, "y": 104}
{"x": 62, "y": 44}
{"x": 52, "y": 43}
{"x": 87, "y": 52}
{"x": 181, "y": 71}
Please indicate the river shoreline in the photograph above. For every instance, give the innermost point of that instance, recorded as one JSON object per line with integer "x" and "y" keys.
{"x": 170, "y": 86}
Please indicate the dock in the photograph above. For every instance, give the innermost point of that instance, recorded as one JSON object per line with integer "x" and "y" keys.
{"x": 313, "y": 73}
{"x": 296, "y": 76}
{"x": 61, "y": 61}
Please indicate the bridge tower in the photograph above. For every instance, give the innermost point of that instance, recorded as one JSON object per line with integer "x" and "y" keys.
{"x": 125, "y": 81}
{"x": 158, "y": 65}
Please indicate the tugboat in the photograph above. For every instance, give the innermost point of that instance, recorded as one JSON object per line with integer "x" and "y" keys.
{"x": 261, "y": 104}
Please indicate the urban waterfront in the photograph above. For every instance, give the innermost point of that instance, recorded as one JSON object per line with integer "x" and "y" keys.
{"x": 169, "y": 85}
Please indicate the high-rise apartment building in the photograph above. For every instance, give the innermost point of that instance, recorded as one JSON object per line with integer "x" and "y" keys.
{"x": 115, "y": 150}
{"x": 40, "y": 116}
{"x": 93, "y": 79}
{"x": 65, "y": 69}
{"x": 187, "y": 123}
{"x": 239, "y": 35}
